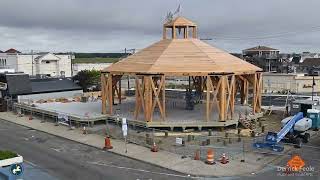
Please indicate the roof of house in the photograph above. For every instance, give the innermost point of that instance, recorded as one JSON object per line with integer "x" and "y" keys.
{"x": 53, "y": 85}
{"x": 20, "y": 83}
{"x": 47, "y": 56}
{"x": 182, "y": 56}
{"x": 1, "y": 51}
{"x": 311, "y": 62}
{"x": 11, "y": 50}
{"x": 260, "y": 48}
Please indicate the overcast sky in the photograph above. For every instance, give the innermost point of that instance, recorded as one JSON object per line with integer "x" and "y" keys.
{"x": 112, "y": 25}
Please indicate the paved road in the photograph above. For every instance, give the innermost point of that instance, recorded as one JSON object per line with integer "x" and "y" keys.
{"x": 64, "y": 159}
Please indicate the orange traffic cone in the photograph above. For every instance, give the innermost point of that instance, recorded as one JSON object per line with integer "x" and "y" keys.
{"x": 224, "y": 159}
{"x": 107, "y": 143}
{"x": 210, "y": 157}
{"x": 30, "y": 118}
{"x": 154, "y": 148}
{"x": 197, "y": 155}
{"x": 84, "y": 130}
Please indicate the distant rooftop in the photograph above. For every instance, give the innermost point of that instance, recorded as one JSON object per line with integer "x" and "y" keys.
{"x": 11, "y": 50}
{"x": 261, "y": 48}
{"x": 53, "y": 85}
{"x": 311, "y": 62}
{"x": 20, "y": 83}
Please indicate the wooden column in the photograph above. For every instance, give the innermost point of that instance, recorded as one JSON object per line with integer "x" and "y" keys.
{"x": 187, "y": 32}
{"x": 222, "y": 98}
{"x": 163, "y": 93}
{"x": 157, "y": 90}
{"x": 244, "y": 90}
{"x": 147, "y": 98}
{"x": 164, "y": 32}
{"x": 103, "y": 94}
{"x": 213, "y": 88}
{"x": 119, "y": 92}
{"x": 208, "y": 111}
{"x": 257, "y": 88}
{"x": 109, "y": 92}
{"x": 173, "y": 32}
{"x": 230, "y": 99}
{"x": 139, "y": 98}
{"x": 194, "y": 32}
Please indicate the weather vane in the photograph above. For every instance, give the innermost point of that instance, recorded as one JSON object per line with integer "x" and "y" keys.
{"x": 170, "y": 15}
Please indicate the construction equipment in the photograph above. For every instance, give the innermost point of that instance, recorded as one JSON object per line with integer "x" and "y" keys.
{"x": 294, "y": 130}
{"x": 314, "y": 114}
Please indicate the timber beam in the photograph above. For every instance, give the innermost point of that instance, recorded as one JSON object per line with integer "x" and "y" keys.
{"x": 150, "y": 93}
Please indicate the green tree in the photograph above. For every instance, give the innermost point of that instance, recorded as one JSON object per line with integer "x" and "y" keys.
{"x": 87, "y": 79}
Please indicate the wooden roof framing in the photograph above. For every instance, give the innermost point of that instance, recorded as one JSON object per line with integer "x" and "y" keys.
{"x": 182, "y": 57}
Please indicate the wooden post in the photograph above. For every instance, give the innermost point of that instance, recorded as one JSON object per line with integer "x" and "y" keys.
{"x": 103, "y": 94}
{"x": 119, "y": 93}
{"x": 260, "y": 89}
{"x": 164, "y": 96}
{"x": 147, "y": 98}
{"x": 257, "y": 95}
{"x": 110, "y": 93}
{"x": 187, "y": 32}
{"x": 173, "y": 32}
{"x": 164, "y": 32}
{"x": 254, "y": 99}
{"x": 222, "y": 98}
{"x": 194, "y": 32}
{"x": 230, "y": 100}
{"x": 138, "y": 98}
{"x": 208, "y": 98}
{"x": 244, "y": 90}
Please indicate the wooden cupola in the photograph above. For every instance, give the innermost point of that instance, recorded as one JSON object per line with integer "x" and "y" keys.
{"x": 177, "y": 25}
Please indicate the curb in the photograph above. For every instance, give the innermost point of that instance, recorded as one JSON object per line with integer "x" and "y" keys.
{"x": 194, "y": 175}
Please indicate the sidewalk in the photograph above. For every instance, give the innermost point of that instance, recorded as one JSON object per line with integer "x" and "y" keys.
{"x": 162, "y": 158}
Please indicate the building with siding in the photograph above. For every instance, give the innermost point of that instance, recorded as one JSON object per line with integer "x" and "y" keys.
{"x": 37, "y": 64}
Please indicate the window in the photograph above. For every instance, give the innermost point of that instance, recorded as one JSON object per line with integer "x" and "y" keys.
{"x": 5, "y": 62}
{"x": 47, "y": 62}
{"x": 62, "y": 73}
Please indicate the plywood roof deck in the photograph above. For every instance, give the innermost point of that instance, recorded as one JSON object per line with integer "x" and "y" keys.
{"x": 181, "y": 57}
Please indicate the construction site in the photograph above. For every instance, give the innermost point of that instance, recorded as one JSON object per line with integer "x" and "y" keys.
{"x": 186, "y": 97}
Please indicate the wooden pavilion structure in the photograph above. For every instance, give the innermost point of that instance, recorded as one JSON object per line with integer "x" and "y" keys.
{"x": 214, "y": 72}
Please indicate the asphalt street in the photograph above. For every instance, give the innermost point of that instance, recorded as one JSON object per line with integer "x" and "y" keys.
{"x": 54, "y": 158}
{"x": 67, "y": 160}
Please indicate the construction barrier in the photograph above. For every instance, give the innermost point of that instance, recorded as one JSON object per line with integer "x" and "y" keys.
{"x": 210, "y": 157}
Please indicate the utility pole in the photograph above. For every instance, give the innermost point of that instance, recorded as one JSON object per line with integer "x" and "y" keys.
{"x": 71, "y": 60}
{"x": 32, "y": 62}
{"x": 313, "y": 83}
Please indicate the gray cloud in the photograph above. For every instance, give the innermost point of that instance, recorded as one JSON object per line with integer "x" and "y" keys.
{"x": 107, "y": 26}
